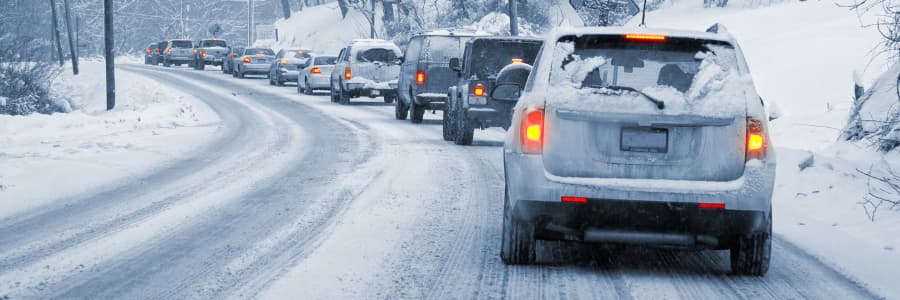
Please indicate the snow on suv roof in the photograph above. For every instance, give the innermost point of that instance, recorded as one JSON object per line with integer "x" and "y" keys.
{"x": 721, "y": 36}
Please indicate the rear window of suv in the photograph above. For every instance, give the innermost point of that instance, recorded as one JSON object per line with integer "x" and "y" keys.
{"x": 211, "y": 43}
{"x": 325, "y": 60}
{"x": 488, "y": 57}
{"x": 378, "y": 55}
{"x": 443, "y": 48}
{"x": 182, "y": 44}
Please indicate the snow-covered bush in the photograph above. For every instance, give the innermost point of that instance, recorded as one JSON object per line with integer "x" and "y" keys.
{"x": 875, "y": 116}
{"x": 25, "y": 77}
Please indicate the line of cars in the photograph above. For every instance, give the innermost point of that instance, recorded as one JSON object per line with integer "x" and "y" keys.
{"x": 614, "y": 136}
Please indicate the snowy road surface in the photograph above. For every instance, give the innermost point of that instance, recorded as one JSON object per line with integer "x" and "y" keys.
{"x": 303, "y": 198}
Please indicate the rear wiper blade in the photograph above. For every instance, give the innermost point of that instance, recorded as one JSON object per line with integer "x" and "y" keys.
{"x": 659, "y": 103}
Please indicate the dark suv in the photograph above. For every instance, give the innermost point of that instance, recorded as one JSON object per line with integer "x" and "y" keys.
{"x": 425, "y": 74}
{"x": 486, "y": 61}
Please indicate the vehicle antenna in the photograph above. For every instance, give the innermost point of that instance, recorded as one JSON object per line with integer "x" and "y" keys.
{"x": 644, "y": 15}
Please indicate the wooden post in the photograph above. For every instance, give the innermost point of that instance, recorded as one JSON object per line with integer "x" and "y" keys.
{"x": 513, "y": 18}
{"x": 55, "y": 32}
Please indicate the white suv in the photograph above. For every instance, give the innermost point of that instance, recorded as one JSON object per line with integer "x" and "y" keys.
{"x": 643, "y": 137}
{"x": 366, "y": 68}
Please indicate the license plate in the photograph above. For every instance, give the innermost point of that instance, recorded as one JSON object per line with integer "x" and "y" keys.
{"x": 644, "y": 139}
{"x": 376, "y": 93}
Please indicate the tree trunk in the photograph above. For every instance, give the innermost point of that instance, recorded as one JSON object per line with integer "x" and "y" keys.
{"x": 513, "y": 18}
{"x": 109, "y": 54}
{"x": 286, "y": 8}
{"x": 71, "y": 34}
{"x": 55, "y": 32}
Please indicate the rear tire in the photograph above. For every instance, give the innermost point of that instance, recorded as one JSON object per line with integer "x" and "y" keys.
{"x": 401, "y": 110}
{"x": 417, "y": 112}
{"x": 447, "y": 125}
{"x": 166, "y": 63}
{"x": 518, "y": 244}
{"x": 465, "y": 132}
{"x": 202, "y": 67}
{"x": 751, "y": 254}
{"x": 344, "y": 98}
{"x": 389, "y": 99}
{"x": 306, "y": 89}
{"x": 334, "y": 94}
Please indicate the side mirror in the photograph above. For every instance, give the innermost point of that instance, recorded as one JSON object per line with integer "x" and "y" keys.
{"x": 507, "y": 92}
{"x": 454, "y": 65}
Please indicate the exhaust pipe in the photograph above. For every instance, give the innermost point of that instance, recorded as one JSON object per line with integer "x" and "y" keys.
{"x": 596, "y": 235}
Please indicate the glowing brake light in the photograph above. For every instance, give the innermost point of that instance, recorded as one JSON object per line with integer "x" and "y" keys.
{"x": 711, "y": 205}
{"x": 203, "y": 54}
{"x": 232, "y": 56}
{"x": 756, "y": 139}
{"x": 646, "y": 37}
{"x": 283, "y": 62}
{"x": 246, "y": 60}
{"x": 157, "y": 50}
{"x": 478, "y": 90}
{"x": 570, "y": 199}
{"x": 347, "y": 73}
{"x": 315, "y": 70}
{"x": 169, "y": 51}
{"x": 420, "y": 77}
{"x": 194, "y": 50}
{"x": 517, "y": 61}
{"x": 532, "y": 131}
{"x": 149, "y": 51}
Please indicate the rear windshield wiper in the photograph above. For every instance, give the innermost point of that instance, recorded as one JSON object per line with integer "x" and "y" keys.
{"x": 659, "y": 103}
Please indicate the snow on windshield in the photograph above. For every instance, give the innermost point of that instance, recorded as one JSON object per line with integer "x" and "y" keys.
{"x": 690, "y": 78}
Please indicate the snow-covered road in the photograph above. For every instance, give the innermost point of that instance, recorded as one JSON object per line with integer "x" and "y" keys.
{"x": 303, "y": 198}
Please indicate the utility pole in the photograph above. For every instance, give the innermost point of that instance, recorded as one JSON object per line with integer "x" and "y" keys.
{"x": 55, "y": 32}
{"x": 513, "y": 18}
{"x": 250, "y": 23}
{"x": 71, "y": 38}
{"x": 110, "y": 56}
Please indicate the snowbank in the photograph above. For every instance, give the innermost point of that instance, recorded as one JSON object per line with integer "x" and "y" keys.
{"x": 49, "y": 158}
{"x": 876, "y": 118}
{"x": 321, "y": 28}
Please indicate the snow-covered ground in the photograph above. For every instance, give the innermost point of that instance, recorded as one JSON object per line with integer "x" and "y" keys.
{"x": 49, "y": 158}
{"x": 803, "y": 56}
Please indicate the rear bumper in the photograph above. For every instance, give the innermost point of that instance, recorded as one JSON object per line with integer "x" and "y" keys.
{"x": 288, "y": 75}
{"x": 319, "y": 81}
{"x": 495, "y": 114}
{"x": 216, "y": 61}
{"x": 432, "y": 101}
{"x": 636, "y": 206}
{"x": 640, "y": 223}
{"x": 254, "y": 68}
{"x": 371, "y": 89}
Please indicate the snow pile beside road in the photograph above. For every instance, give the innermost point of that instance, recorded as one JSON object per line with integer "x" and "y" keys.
{"x": 321, "y": 28}
{"x": 876, "y": 117}
{"x": 51, "y": 158}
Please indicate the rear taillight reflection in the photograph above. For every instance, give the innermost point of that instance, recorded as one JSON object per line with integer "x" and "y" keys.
{"x": 315, "y": 70}
{"x": 756, "y": 139}
{"x": 533, "y": 131}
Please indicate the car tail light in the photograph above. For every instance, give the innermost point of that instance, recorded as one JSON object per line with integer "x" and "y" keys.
{"x": 711, "y": 205}
{"x": 570, "y": 199}
{"x": 246, "y": 60}
{"x": 194, "y": 50}
{"x": 420, "y": 77}
{"x": 315, "y": 70}
{"x": 646, "y": 38}
{"x": 203, "y": 54}
{"x": 158, "y": 50}
{"x": 517, "y": 61}
{"x": 149, "y": 51}
{"x": 347, "y": 73}
{"x": 478, "y": 90}
{"x": 233, "y": 56}
{"x": 169, "y": 51}
{"x": 283, "y": 62}
{"x": 533, "y": 131}
{"x": 756, "y": 139}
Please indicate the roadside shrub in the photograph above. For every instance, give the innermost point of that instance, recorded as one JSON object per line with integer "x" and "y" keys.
{"x": 25, "y": 77}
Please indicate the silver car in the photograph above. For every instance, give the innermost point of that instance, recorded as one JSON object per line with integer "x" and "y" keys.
{"x": 179, "y": 52}
{"x": 314, "y": 73}
{"x": 366, "y": 68}
{"x": 642, "y": 137}
{"x": 284, "y": 67}
{"x": 254, "y": 61}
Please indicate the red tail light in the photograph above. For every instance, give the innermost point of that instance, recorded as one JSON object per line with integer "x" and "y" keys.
{"x": 149, "y": 51}
{"x": 169, "y": 51}
{"x": 203, "y": 54}
{"x": 478, "y": 90}
{"x": 194, "y": 50}
{"x": 347, "y": 73}
{"x": 756, "y": 139}
{"x": 517, "y": 61}
{"x": 315, "y": 70}
{"x": 532, "y": 131}
{"x": 158, "y": 50}
{"x": 232, "y": 56}
{"x": 646, "y": 38}
{"x": 570, "y": 199}
{"x": 246, "y": 60}
{"x": 712, "y": 205}
{"x": 283, "y": 62}
{"x": 420, "y": 77}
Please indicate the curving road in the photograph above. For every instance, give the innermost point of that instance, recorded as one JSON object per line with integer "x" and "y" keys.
{"x": 303, "y": 198}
